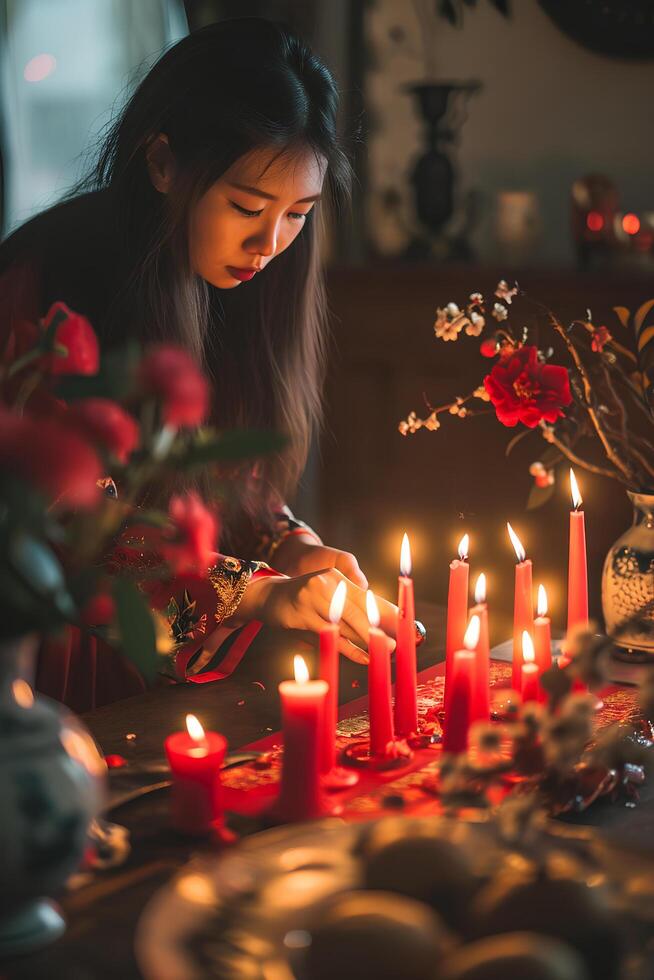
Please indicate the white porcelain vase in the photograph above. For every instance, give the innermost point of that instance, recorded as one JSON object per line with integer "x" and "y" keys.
{"x": 628, "y": 584}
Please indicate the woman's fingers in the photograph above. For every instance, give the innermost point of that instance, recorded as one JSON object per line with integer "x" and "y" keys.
{"x": 349, "y": 566}
{"x": 354, "y": 624}
{"x": 387, "y": 610}
{"x": 353, "y": 652}
{"x": 356, "y": 627}
{"x": 388, "y": 616}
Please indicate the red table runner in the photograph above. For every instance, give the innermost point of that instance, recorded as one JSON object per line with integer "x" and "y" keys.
{"x": 250, "y": 789}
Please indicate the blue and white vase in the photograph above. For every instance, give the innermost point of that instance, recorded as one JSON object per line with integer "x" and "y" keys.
{"x": 628, "y": 584}
{"x": 52, "y": 782}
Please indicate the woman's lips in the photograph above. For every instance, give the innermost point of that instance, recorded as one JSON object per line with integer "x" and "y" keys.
{"x": 242, "y": 274}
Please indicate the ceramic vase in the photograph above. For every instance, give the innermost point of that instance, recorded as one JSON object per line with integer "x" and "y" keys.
{"x": 628, "y": 584}
{"x": 51, "y": 786}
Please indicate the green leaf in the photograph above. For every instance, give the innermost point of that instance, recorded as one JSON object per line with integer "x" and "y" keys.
{"x": 230, "y": 447}
{"x": 47, "y": 342}
{"x": 516, "y": 439}
{"x": 551, "y": 457}
{"x": 114, "y": 379}
{"x": 641, "y": 313}
{"x": 136, "y": 628}
{"x": 539, "y": 496}
{"x": 150, "y": 518}
{"x": 622, "y": 314}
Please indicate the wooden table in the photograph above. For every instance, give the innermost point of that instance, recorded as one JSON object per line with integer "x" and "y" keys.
{"x": 102, "y": 914}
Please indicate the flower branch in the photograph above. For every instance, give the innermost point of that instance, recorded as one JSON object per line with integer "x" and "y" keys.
{"x": 602, "y": 377}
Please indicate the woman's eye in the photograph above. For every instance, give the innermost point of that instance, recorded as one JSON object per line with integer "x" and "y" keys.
{"x": 244, "y": 211}
{"x": 296, "y": 215}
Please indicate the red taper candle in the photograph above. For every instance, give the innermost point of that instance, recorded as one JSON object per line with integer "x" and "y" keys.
{"x": 406, "y": 674}
{"x": 542, "y": 639}
{"x": 328, "y": 640}
{"x": 481, "y": 692}
{"x": 195, "y": 758}
{"x": 529, "y": 679}
{"x": 303, "y": 707}
{"x": 458, "y": 711}
{"x": 457, "y": 609}
{"x": 577, "y": 564}
{"x": 379, "y": 684}
{"x": 523, "y": 608}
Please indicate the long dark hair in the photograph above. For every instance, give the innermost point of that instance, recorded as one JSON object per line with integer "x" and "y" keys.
{"x": 217, "y": 94}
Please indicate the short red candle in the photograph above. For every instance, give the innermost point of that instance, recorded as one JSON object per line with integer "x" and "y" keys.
{"x": 529, "y": 673}
{"x": 577, "y": 564}
{"x": 303, "y": 707}
{"x": 523, "y": 609}
{"x": 542, "y": 639}
{"x": 458, "y": 709}
{"x": 379, "y": 684}
{"x": 406, "y": 675}
{"x": 195, "y": 761}
{"x": 457, "y": 609}
{"x": 481, "y": 692}
{"x": 329, "y": 671}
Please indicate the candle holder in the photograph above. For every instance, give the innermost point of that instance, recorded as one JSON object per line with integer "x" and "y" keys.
{"x": 427, "y": 737}
{"x": 359, "y": 755}
{"x": 339, "y": 778}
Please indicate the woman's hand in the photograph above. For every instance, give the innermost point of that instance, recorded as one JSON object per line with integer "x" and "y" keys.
{"x": 299, "y": 554}
{"x": 302, "y": 603}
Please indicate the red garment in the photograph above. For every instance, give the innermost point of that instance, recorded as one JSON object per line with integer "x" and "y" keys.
{"x": 76, "y": 667}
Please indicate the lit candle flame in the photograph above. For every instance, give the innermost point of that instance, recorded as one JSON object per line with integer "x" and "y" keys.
{"x": 405, "y": 557}
{"x": 577, "y": 499}
{"x": 464, "y": 544}
{"x": 520, "y": 552}
{"x": 372, "y": 609}
{"x": 528, "y": 654}
{"x": 300, "y": 669}
{"x": 338, "y": 603}
{"x": 541, "y": 605}
{"x": 480, "y": 589}
{"x": 471, "y": 638}
{"x": 194, "y": 728}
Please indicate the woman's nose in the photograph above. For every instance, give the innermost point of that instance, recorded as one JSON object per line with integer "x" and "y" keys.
{"x": 264, "y": 242}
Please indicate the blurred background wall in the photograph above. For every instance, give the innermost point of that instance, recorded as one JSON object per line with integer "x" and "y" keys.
{"x": 549, "y": 111}
{"x": 563, "y": 94}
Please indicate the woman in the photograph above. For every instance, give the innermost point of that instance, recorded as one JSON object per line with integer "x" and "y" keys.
{"x": 201, "y": 226}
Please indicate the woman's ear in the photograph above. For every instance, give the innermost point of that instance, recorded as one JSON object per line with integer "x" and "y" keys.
{"x": 161, "y": 163}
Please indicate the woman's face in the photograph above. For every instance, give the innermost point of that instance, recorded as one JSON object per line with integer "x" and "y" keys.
{"x": 254, "y": 212}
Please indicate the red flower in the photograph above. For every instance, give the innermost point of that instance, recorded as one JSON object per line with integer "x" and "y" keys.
{"x": 190, "y": 545}
{"x": 172, "y": 376}
{"x": 106, "y": 423}
{"x": 523, "y": 389}
{"x": 76, "y": 334}
{"x": 99, "y": 611}
{"x": 600, "y": 338}
{"x": 51, "y": 457}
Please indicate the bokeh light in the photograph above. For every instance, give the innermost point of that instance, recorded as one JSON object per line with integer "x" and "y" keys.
{"x": 594, "y": 221}
{"x": 39, "y": 67}
{"x": 631, "y": 224}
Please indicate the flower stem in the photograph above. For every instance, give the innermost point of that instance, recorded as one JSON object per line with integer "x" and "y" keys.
{"x": 549, "y": 436}
{"x": 608, "y": 448}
